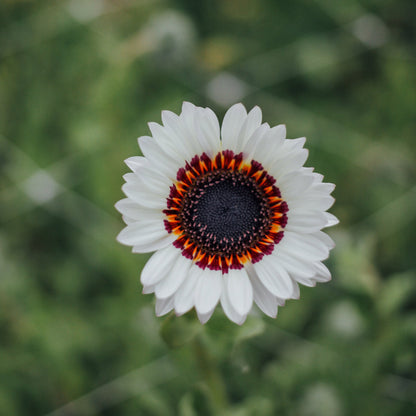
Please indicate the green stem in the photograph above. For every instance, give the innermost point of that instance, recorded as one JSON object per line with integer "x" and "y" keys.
{"x": 211, "y": 375}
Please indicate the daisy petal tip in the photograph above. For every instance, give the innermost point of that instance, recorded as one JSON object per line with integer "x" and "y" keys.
{"x": 238, "y": 320}
{"x": 241, "y": 320}
{"x": 117, "y": 206}
{"x": 205, "y": 317}
{"x": 188, "y": 107}
{"x": 151, "y": 125}
{"x": 163, "y": 306}
{"x": 138, "y": 250}
{"x": 146, "y": 290}
{"x": 168, "y": 117}
{"x": 142, "y": 140}
{"x": 135, "y": 162}
{"x": 332, "y": 220}
{"x": 237, "y": 107}
{"x": 270, "y": 314}
{"x": 256, "y": 111}
{"x": 180, "y": 312}
{"x": 121, "y": 238}
{"x": 323, "y": 278}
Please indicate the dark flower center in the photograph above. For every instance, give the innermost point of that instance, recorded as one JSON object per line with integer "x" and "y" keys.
{"x": 225, "y": 212}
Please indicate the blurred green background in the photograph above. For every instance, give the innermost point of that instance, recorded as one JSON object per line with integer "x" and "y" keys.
{"x": 79, "y": 80}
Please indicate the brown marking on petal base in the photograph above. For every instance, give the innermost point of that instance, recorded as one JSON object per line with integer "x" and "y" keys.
{"x": 253, "y": 218}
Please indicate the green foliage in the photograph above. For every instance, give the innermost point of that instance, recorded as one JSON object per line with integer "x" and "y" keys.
{"x": 79, "y": 80}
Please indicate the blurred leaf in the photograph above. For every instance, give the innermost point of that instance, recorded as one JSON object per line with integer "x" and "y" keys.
{"x": 345, "y": 320}
{"x": 395, "y": 292}
{"x": 185, "y": 406}
{"x": 196, "y": 402}
{"x": 179, "y": 330}
{"x": 356, "y": 271}
{"x": 253, "y": 406}
{"x": 253, "y": 327}
{"x": 320, "y": 399}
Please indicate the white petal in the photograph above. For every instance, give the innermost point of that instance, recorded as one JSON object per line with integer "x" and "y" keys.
{"x": 296, "y": 292}
{"x": 156, "y": 245}
{"x": 321, "y": 203}
{"x": 251, "y": 123}
{"x": 322, "y": 275}
{"x": 278, "y": 133}
{"x": 305, "y": 246}
{"x": 140, "y": 233}
{"x": 176, "y": 275}
{"x": 158, "y": 266}
{"x": 229, "y": 310}
{"x": 204, "y": 317}
{"x": 300, "y": 200}
{"x": 133, "y": 210}
{"x": 231, "y": 126}
{"x": 131, "y": 178}
{"x": 280, "y": 166}
{"x": 148, "y": 289}
{"x": 185, "y": 295}
{"x": 208, "y": 131}
{"x": 293, "y": 265}
{"x": 326, "y": 239}
{"x": 294, "y": 185}
{"x": 163, "y": 306}
{"x": 157, "y": 157}
{"x": 293, "y": 145}
{"x": 128, "y": 220}
{"x": 240, "y": 291}
{"x": 274, "y": 277}
{"x": 188, "y": 111}
{"x": 324, "y": 188}
{"x": 135, "y": 162}
{"x": 322, "y": 272}
{"x": 176, "y": 128}
{"x": 154, "y": 182}
{"x": 187, "y": 128}
{"x": 262, "y": 297}
{"x": 148, "y": 181}
{"x": 169, "y": 143}
{"x": 269, "y": 146}
{"x": 138, "y": 193}
{"x": 306, "y": 281}
{"x": 317, "y": 177}
{"x": 305, "y": 223}
{"x": 331, "y": 220}
{"x": 208, "y": 291}
{"x": 255, "y": 139}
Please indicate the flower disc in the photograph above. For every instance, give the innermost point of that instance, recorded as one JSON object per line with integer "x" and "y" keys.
{"x": 225, "y": 212}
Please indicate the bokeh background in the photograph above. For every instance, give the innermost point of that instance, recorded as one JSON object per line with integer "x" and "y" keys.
{"x": 79, "y": 80}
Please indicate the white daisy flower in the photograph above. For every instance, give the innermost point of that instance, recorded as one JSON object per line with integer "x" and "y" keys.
{"x": 231, "y": 213}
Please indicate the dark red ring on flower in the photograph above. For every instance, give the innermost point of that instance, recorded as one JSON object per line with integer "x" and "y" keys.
{"x": 225, "y": 211}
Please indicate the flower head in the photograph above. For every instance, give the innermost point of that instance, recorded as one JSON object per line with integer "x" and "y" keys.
{"x": 231, "y": 213}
